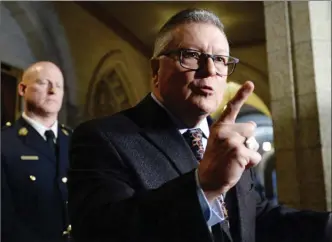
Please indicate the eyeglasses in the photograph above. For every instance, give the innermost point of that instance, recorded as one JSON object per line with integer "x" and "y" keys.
{"x": 195, "y": 60}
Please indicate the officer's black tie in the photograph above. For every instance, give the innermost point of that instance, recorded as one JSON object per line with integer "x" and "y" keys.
{"x": 50, "y": 140}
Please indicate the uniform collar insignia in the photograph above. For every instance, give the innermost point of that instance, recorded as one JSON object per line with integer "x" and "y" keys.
{"x": 23, "y": 131}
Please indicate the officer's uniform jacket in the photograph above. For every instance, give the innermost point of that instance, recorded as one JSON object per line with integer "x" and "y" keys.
{"x": 33, "y": 185}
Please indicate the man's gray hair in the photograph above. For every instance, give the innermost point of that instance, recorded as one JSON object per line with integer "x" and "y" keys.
{"x": 186, "y": 16}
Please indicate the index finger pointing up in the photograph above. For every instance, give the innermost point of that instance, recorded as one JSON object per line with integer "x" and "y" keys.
{"x": 235, "y": 104}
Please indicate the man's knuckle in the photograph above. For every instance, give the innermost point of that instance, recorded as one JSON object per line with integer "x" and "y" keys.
{"x": 251, "y": 127}
{"x": 222, "y": 134}
{"x": 230, "y": 106}
{"x": 237, "y": 149}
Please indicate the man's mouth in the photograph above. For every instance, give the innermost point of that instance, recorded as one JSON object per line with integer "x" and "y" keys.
{"x": 203, "y": 89}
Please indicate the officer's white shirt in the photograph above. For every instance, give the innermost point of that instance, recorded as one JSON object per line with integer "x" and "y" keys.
{"x": 41, "y": 128}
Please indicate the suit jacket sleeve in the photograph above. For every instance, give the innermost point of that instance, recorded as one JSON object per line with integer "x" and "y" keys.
{"x": 278, "y": 223}
{"x": 106, "y": 203}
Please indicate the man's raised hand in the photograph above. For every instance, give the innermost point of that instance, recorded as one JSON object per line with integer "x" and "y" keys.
{"x": 226, "y": 155}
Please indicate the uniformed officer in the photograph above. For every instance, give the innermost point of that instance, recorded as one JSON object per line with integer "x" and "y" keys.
{"x": 34, "y": 162}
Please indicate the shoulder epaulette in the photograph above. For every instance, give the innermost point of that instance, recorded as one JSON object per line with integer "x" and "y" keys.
{"x": 66, "y": 128}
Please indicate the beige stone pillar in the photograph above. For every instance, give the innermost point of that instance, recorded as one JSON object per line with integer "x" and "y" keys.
{"x": 299, "y": 61}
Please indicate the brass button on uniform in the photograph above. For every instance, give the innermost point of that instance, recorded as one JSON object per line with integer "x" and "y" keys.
{"x": 64, "y": 179}
{"x": 67, "y": 231}
{"x": 32, "y": 178}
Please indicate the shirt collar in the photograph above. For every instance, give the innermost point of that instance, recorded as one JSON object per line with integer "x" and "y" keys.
{"x": 203, "y": 125}
{"x": 39, "y": 127}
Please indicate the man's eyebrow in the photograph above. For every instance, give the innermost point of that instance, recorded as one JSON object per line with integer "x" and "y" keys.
{"x": 193, "y": 47}
{"x": 223, "y": 51}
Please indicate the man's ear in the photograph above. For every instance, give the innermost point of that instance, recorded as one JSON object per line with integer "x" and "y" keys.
{"x": 155, "y": 68}
{"x": 21, "y": 88}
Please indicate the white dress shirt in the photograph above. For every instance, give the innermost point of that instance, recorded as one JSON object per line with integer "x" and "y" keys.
{"x": 41, "y": 128}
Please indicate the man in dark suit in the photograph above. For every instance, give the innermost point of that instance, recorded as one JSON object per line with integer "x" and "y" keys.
{"x": 157, "y": 172}
{"x": 34, "y": 162}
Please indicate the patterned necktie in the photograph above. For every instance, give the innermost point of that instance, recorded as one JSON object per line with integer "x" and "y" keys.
{"x": 194, "y": 138}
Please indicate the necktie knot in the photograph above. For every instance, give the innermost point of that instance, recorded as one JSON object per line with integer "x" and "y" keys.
{"x": 50, "y": 135}
{"x": 194, "y": 138}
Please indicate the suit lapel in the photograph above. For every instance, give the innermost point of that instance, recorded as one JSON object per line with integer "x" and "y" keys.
{"x": 241, "y": 209}
{"x": 233, "y": 214}
{"x": 33, "y": 139}
{"x": 241, "y": 205}
{"x": 171, "y": 143}
{"x": 157, "y": 128}
{"x": 246, "y": 207}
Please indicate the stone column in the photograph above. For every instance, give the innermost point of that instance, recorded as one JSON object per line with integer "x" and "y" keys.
{"x": 299, "y": 61}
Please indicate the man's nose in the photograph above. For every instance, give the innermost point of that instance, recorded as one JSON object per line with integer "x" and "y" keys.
{"x": 207, "y": 67}
{"x": 51, "y": 90}
{"x": 210, "y": 67}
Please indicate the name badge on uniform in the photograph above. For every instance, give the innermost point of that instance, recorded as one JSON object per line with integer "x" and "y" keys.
{"x": 29, "y": 157}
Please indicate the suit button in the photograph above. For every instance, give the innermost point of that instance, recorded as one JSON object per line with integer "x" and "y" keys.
{"x": 32, "y": 178}
{"x": 64, "y": 179}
